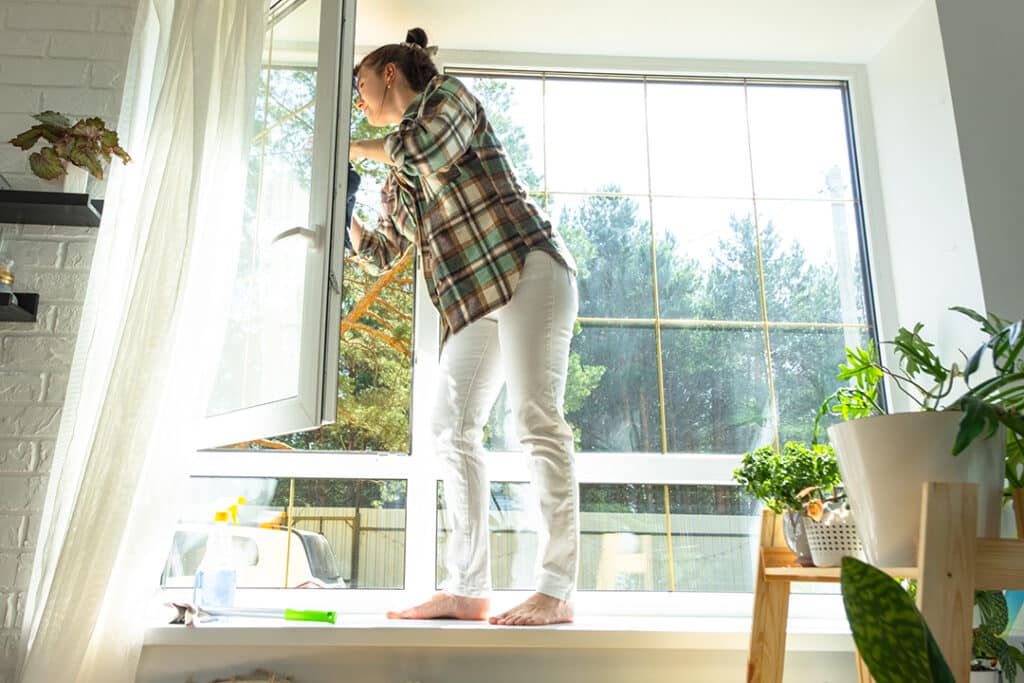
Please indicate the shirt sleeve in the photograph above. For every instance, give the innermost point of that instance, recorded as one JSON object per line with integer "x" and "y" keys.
{"x": 438, "y": 134}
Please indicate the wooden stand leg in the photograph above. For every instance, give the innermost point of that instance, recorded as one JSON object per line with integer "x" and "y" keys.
{"x": 945, "y": 560}
{"x": 771, "y": 609}
{"x": 863, "y": 674}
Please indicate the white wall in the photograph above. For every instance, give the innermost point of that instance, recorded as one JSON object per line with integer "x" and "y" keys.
{"x": 928, "y": 245}
{"x": 477, "y": 664}
{"x": 70, "y": 57}
{"x": 984, "y": 56}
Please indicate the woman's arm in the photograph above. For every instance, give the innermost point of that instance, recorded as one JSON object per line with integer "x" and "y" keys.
{"x": 369, "y": 149}
{"x": 355, "y": 233}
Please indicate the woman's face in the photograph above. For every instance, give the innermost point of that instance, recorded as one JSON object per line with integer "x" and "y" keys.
{"x": 374, "y": 91}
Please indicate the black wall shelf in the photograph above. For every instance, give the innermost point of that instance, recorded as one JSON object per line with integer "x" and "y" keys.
{"x": 50, "y": 208}
{"x": 22, "y": 312}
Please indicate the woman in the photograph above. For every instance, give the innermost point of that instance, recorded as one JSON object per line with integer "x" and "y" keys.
{"x": 504, "y": 283}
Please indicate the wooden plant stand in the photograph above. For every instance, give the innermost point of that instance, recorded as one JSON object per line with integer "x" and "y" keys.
{"x": 951, "y": 564}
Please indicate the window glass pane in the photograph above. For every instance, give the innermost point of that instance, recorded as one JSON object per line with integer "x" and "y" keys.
{"x": 798, "y": 142}
{"x": 707, "y": 542}
{"x": 376, "y": 347}
{"x": 707, "y": 259}
{"x": 625, "y": 542}
{"x": 698, "y": 140}
{"x": 345, "y": 533}
{"x": 805, "y": 361}
{"x": 716, "y": 390}
{"x": 621, "y": 413}
{"x": 610, "y": 238}
{"x": 596, "y": 138}
{"x": 812, "y": 269}
{"x": 515, "y": 109}
{"x": 262, "y": 346}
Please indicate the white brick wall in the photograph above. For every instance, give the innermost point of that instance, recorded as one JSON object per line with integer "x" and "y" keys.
{"x": 70, "y": 56}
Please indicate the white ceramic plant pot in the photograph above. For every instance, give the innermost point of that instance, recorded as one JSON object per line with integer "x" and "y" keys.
{"x": 885, "y": 459}
{"x": 76, "y": 179}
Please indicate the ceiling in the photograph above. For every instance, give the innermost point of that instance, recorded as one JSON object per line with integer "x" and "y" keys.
{"x": 783, "y": 30}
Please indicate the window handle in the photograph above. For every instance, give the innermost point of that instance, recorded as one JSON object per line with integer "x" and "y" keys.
{"x": 312, "y": 235}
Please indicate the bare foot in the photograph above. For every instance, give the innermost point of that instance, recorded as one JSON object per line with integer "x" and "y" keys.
{"x": 537, "y": 610}
{"x": 447, "y": 606}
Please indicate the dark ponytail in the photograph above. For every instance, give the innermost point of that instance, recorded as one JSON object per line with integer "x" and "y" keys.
{"x": 411, "y": 58}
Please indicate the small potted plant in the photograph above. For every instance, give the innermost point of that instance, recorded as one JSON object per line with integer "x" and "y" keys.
{"x": 885, "y": 458}
{"x": 989, "y": 649}
{"x": 87, "y": 144}
{"x": 778, "y": 480}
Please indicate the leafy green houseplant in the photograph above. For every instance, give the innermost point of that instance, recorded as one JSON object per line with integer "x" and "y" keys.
{"x": 928, "y": 381}
{"x": 988, "y": 643}
{"x": 87, "y": 144}
{"x": 778, "y": 479}
{"x": 785, "y": 482}
{"x": 886, "y": 457}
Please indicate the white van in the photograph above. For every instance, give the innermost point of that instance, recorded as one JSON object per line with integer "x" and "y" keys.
{"x": 259, "y": 555}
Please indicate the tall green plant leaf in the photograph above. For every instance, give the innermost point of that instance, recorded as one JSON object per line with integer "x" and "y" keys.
{"x": 979, "y": 418}
{"x": 992, "y": 606}
{"x": 891, "y": 635}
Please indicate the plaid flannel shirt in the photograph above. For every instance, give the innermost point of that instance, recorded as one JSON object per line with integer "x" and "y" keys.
{"x": 453, "y": 193}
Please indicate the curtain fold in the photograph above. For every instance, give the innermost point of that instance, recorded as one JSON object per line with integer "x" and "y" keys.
{"x": 166, "y": 255}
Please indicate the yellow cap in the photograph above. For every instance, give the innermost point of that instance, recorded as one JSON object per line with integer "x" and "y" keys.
{"x": 241, "y": 500}
{"x": 220, "y": 516}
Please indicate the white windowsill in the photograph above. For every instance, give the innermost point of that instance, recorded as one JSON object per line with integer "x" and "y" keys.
{"x": 703, "y": 633}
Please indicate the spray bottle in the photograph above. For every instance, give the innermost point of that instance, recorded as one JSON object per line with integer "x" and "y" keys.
{"x": 216, "y": 577}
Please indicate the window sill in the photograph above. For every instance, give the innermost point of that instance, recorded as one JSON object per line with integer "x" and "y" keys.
{"x": 638, "y": 633}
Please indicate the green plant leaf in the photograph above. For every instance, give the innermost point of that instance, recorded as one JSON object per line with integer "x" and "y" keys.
{"x": 123, "y": 155}
{"x": 46, "y": 164}
{"x": 27, "y": 139}
{"x": 993, "y": 610}
{"x": 1015, "y": 658}
{"x": 89, "y": 128}
{"x": 979, "y": 418}
{"x": 1015, "y": 343}
{"x": 1008, "y": 663}
{"x": 916, "y": 355}
{"x": 52, "y": 118}
{"x": 986, "y": 326}
{"x": 974, "y": 361}
{"x": 891, "y": 636}
{"x": 987, "y": 644}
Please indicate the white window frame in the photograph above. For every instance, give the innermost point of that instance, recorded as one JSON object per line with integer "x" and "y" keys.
{"x": 418, "y": 471}
{"x": 316, "y": 399}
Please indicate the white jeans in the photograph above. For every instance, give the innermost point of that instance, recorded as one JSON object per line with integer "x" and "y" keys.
{"x": 525, "y": 344}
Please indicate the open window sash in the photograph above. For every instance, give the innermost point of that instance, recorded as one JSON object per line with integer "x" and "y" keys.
{"x": 278, "y": 369}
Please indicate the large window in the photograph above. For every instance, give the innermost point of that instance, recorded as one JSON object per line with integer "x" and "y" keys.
{"x": 718, "y": 231}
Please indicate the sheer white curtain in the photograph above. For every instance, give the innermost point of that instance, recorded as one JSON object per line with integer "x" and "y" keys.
{"x": 165, "y": 255}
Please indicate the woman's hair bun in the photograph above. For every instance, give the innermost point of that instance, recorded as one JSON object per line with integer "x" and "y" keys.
{"x": 416, "y": 36}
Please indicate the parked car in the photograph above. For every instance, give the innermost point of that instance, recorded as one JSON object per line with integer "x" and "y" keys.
{"x": 259, "y": 554}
